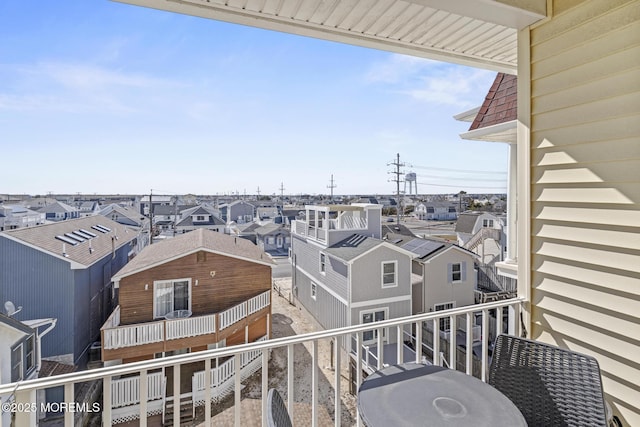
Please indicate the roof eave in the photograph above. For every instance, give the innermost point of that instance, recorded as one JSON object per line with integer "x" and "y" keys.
{"x": 501, "y": 132}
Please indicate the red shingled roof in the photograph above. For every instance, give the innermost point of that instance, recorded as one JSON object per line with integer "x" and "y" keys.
{"x": 501, "y": 103}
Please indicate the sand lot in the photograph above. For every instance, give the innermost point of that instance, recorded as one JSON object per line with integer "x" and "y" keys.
{"x": 289, "y": 320}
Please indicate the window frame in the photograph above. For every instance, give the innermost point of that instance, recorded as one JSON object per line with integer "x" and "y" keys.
{"x": 313, "y": 291}
{"x": 444, "y": 322}
{"x": 157, "y": 283}
{"x": 17, "y": 366}
{"x": 383, "y": 274}
{"x": 374, "y": 332}
{"x": 454, "y": 272}
{"x": 322, "y": 263}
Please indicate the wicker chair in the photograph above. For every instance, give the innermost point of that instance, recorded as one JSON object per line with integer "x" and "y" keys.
{"x": 277, "y": 415}
{"x": 551, "y": 386}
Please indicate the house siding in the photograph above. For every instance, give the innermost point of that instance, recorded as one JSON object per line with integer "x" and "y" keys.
{"x": 307, "y": 258}
{"x": 44, "y": 292}
{"x": 439, "y": 289}
{"x": 585, "y": 189}
{"x": 233, "y": 282}
{"x": 367, "y": 276}
{"x": 328, "y": 310}
{"x": 395, "y": 310}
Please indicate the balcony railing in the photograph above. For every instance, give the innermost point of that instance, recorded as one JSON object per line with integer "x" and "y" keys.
{"x": 116, "y": 336}
{"x": 25, "y": 392}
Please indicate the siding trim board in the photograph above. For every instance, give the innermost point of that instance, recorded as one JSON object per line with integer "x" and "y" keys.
{"x": 381, "y": 301}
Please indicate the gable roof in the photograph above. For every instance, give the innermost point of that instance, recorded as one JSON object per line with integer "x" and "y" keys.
{"x": 191, "y": 242}
{"x": 57, "y": 207}
{"x": 268, "y": 229}
{"x": 501, "y": 103}
{"x": 466, "y": 222}
{"x": 80, "y": 254}
{"x": 188, "y": 214}
{"x": 353, "y": 246}
{"x": 15, "y": 324}
{"x": 123, "y": 211}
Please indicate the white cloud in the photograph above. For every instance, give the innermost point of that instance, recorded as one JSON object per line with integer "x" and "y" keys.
{"x": 432, "y": 81}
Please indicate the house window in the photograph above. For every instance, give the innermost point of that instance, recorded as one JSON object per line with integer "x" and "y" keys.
{"x": 487, "y": 223}
{"x": 323, "y": 263}
{"x": 431, "y": 209}
{"x": 199, "y": 217}
{"x": 456, "y": 272}
{"x": 389, "y": 274}
{"x": 313, "y": 290}
{"x": 30, "y": 358}
{"x": 171, "y": 295}
{"x": 16, "y": 363}
{"x": 270, "y": 240}
{"x": 445, "y": 322}
{"x": 371, "y": 316}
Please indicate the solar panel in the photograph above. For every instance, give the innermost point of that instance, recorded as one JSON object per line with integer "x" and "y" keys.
{"x": 422, "y": 248}
{"x": 396, "y": 241}
{"x": 67, "y": 240}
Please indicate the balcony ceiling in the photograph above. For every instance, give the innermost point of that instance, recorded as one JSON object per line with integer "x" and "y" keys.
{"x": 479, "y": 33}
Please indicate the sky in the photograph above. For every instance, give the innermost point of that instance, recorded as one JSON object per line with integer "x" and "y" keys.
{"x": 101, "y": 97}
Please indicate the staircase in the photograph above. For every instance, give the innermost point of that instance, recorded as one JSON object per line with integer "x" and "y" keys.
{"x": 186, "y": 412}
{"x": 480, "y": 236}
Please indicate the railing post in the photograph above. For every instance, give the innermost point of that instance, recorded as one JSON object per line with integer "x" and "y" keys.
{"x": 143, "y": 397}
{"x": 400, "y": 344}
{"x": 469, "y": 344}
{"x": 290, "y": 378}
{"x": 453, "y": 342}
{"x": 28, "y": 399}
{"x": 237, "y": 384}
{"x": 485, "y": 340}
{"x": 176, "y": 395}
{"x": 418, "y": 348}
{"x": 358, "y": 371}
{"x": 380, "y": 341}
{"x": 265, "y": 385}
{"x": 314, "y": 383}
{"x": 68, "y": 399}
{"x": 436, "y": 341}
{"x": 337, "y": 410}
{"x": 207, "y": 391}
{"x": 106, "y": 401}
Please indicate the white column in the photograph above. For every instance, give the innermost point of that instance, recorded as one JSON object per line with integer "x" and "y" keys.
{"x": 512, "y": 207}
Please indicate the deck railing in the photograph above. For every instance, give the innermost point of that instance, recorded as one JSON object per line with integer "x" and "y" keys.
{"x": 25, "y": 392}
{"x": 117, "y": 336}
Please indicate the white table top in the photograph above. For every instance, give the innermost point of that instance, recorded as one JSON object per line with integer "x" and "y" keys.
{"x": 414, "y": 394}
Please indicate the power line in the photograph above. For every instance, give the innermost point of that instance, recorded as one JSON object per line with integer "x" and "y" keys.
{"x": 397, "y": 180}
{"x": 461, "y": 178}
{"x": 458, "y": 170}
{"x": 467, "y": 186}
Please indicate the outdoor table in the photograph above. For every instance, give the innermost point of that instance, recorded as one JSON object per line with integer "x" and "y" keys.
{"x": 414, "y": 394}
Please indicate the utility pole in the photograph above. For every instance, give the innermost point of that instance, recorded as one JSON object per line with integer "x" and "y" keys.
{"x": 332, "y": 186}
{"x": 282, "y": 193}
{"x": 258, "y": 193}
{"x": 150, "y": 216}
{"x": 397, "y": 179}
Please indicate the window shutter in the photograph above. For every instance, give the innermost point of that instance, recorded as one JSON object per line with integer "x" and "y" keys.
{"x": 463, "y": 271}
{"x": 449, "y": 272}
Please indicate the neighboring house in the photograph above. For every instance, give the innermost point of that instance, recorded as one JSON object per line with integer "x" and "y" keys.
{"x": 63, "y": 270}
{"x": 239, "y": 212}
{"x": 267, "y": 213}
{"x": 344, "y": 274}
{"x": 443, "y": 273}
{"x": 217, "y": 286}
{"x": 20, "y": 357}
{"x": 144, "y": 202}
{"x": 482, "y": 233}
{"x": 273, "y": 238}
{"x": 124, "y": 215}
{"x": 88, "y": 208}
{"x": 199, "y": 217}
{"x": 17, "y": 216}
{"x": 59, "y": 211}
{"x": 438, "y": 211}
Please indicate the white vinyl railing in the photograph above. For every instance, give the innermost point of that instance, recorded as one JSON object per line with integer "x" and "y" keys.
{"x": 259, "y": 302}
{"x": 24, "y": 392}
{"x": 116, "y": 336}
{"x": 131, "y": 335}
{"x": 191, "y": 327}
{"x": 126, "y": 391}
{"x": 233, "y": 315}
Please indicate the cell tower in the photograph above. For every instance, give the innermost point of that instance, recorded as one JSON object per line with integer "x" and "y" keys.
{"x": 413, "y": 182}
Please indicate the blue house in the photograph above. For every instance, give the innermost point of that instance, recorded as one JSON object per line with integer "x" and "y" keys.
{"x": 63, "y": 270}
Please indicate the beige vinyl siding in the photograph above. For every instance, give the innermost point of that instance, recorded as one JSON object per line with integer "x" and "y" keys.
{"x": 585, "y": 189}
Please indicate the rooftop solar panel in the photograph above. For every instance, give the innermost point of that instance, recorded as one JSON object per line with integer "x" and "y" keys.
{"x": 67, "y": 240}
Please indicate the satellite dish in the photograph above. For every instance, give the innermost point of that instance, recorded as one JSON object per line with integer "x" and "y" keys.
{"x": 11, "y": 309}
